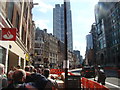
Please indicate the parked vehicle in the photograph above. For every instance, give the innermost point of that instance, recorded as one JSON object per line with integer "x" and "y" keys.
{"x": 88, "y": 71}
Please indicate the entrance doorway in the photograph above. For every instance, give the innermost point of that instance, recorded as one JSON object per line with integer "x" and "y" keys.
{"x": 12, "y": 60}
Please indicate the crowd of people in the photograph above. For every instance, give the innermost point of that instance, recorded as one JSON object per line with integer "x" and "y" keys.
{"x": 27, "y": 78}
{"x": 35, "y": 78}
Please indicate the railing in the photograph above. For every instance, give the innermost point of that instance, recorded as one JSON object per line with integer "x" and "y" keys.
{"x": 92, "y": 85}
{"x": 85, "y": 83}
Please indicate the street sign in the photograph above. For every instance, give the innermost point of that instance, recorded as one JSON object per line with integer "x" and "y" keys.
{"x": 9, "y": 34}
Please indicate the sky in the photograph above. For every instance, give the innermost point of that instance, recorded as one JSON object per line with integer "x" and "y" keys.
{"x": 82, "y": 19}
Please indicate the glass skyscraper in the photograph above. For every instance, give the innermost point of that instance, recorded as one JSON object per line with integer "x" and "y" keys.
{"x": 58, "y": 24}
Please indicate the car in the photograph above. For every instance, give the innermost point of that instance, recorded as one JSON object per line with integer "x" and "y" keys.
{"x": 88, "y": 71}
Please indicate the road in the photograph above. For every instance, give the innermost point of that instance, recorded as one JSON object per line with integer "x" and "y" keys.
{"x": 112, "y": 80}
{"x": 113, "y": 83}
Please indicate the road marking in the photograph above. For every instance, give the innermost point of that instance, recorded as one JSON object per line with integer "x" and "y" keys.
{"x": 112, "y": 85}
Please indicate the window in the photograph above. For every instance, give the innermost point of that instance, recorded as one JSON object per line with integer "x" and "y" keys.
{"x": 24, "y": 9}
{"x": 24, "y": 37}
{"x": 113, "y": 15}
{"x": 17, "y": 22}
{"x": 22, "y": 33}
{"x": 26, "y": 13}
{"x": 28, "y": 44}
{"x": 21, "y": 4}
{"x": 114, "y": 27}
{"x": 29, "y": 26}
{"x": 37, "y": 45}
{"x": 113, "y": 21}
{"x": 36, "y": 51}
{"x": 101, "y": 44}
{"x": 10, "y": 10}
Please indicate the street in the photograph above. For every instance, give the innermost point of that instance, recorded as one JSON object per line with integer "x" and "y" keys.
{"x": 112, "y": 80}
{"x": 113, "y": 83}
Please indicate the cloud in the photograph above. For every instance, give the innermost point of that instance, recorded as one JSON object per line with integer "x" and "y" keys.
{"x": 42, "y": 24}
{"x": 43, "y": 6}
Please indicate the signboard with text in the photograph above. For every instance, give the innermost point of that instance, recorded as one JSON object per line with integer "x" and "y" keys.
{"x": 9, "y": 34}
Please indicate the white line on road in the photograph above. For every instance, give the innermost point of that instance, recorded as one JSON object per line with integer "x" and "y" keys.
{"x": 112, "y": 85}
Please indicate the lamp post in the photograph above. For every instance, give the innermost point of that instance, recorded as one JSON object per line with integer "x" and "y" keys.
{"x": 65, "y": 41}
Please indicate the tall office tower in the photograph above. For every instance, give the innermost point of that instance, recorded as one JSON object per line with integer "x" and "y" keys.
{"x": 58, "y": 24}
{"x": 89, "y": 40}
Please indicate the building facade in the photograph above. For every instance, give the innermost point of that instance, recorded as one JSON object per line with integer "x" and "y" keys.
{"x": 78, "y": 59}
{"x": 107, "y": 34}
{"x": 53, "y": 51}
{"x": 46, "y": 49}
{"x": 39, "y": 47}
{"x": 89, "y": 40}
{"x": 16, "y": 15}
{"x": 90, "y": 57}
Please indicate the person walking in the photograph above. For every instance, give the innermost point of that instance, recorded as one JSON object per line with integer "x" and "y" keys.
{"x": 101, "y": 76}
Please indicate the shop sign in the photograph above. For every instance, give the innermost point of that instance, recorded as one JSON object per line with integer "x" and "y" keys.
{"x": 27, "y": 57}
{"x": 9, "y": 34}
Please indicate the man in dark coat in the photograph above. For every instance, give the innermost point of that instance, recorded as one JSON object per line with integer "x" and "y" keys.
{"x": 101, "y": 76}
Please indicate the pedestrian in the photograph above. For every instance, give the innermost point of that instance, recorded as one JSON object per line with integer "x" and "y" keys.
{"x": 101, "y": 76}
{"x": 10, "y": 74}
{"x": 95, "y": 73}
{"x": 19, "y": 77}
{"x": 39, "y": 70}
{"x": 38, "y": 80}
{"x": 51, "y": 83}
{"x": 27, "y": 71}
{"x": 32, "y": 69}
{"x": 3, "y": 79}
